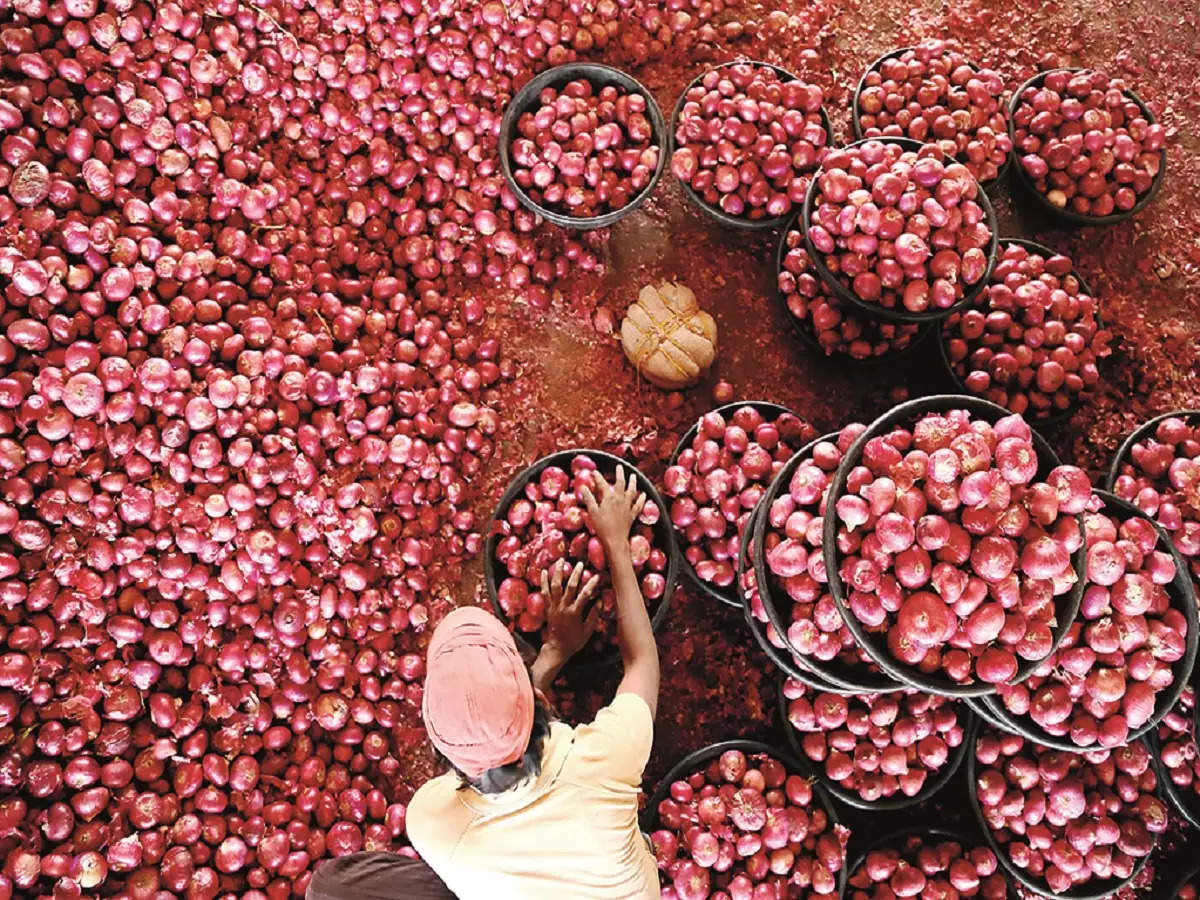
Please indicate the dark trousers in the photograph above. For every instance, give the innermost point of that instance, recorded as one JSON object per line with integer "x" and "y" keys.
{"x": 376, "y": 876}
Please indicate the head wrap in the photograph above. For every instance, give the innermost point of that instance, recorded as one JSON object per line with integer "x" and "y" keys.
{"x": 478, "y": 700}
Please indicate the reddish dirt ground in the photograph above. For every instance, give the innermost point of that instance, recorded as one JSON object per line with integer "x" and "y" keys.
{"x": 576, "y": 389}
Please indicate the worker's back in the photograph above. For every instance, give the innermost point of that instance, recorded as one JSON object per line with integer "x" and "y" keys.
{"x": 570, "y": 833}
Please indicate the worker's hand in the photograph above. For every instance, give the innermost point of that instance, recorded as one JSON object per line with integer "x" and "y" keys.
{"x": 616, "y": 509}
{"x": 567, "y": 628}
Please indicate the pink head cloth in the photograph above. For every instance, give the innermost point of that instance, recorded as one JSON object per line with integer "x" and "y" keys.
{"x": 478, "y": 701}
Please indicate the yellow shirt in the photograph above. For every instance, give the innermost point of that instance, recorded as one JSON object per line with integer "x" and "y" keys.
{"x": 570, "y": 834}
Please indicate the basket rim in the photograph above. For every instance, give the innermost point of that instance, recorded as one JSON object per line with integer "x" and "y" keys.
{"x": 1056, "y": 418}
{"x": 596, "y": 74}
{"x": 1067, "y": 215}
{"x": 855, "y": 111}
{"x": 907, "y": 412}
{"x": 730, "y": 596}
{"x": 877, "y": 310}
{"x": 1182, "y": 594}
{"x": 514, "y": 490}
{"x": 847, "y": 677}
{"x": 1018, "y": 874}
{"x": 719, "y": 215}
{"x": 933, "y": 785}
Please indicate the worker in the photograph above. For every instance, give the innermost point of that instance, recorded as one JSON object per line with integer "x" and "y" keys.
{"x": 532, "y": 808}
{"x": 376, "y": 875}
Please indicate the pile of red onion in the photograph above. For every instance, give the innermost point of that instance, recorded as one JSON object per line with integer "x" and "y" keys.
{"x": 793, "y": 555}
{"x": 951, "y": 550}
{"x": 747, "y": 140}
{"x": 1102, "y": 682}
{"x": 1161, "y": 476}
{"x": 900, "y": 229}
{"x": 1032, "y": 341}
{"x": 1068, "y": 819}
{"x": 879, "y": 746}
{"x": 246, "y": 405}
{"x": 718, "y": 479}
{"x": 551, "y": 523}
{"x": 818, "y": 310}
{"x": 933, "y": 92}
{"x": 747, "y": 827}
{"x": 585, "y": 151}
{"x": 1085, "y": 144}
{"x": 928, "y": 866}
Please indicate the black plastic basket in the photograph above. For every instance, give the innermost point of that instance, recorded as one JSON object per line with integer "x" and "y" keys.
{"x": 699, "y": 759}
{"x": 1143, "y": 431}
{"x": 599, "y": 76}
{"x": 804, "y": 330}
{"x": 789, "y": 665}
{"x": 855, "y": 112}
{"x": 715, "y": 212}
{"x": 1067, "y": 215}
{"x": 878, "y": 310}
{"x": 607, "y": 465}
{"x": 1182, "y": 596}
{"x": 1102, "y": 889}
{"x": 1186, "y": 804}
{"x": 983, "y": 712}
{"x": 846, "y": 677}
{"x": 871, "y": 642}
{"x": 1055, "y": 418}
{"x": 933, "y": 784}
{"x": 897, "y": 838}
{"x": 730, "y": 596}
{"x": 1191, "y": 876}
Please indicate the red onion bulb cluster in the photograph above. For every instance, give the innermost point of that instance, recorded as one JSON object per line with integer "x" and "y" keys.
{"x": 1064, "y": 818}
{"x": 717, "y": 481}
{"x": 745, "y": 827}
{"x": 928, "y": 866}
{"x": 747, "y": 140}
{"x": 933, "y": 92}
{"x": 880, "y": 746}
{"x": 585, "y": 151}
{"x": 1178, "y": 750}
{"x": 551, "y": 523}
{"x": 899, "y": 228}
{"x": 1086, "y": 145}
{"x": 796, "y": 561}
{"x": 1032, "y": 341}
{"x": 952, "y": 551}
{"x": 1103, "y": 680}
{"x": 818, "y": 309}
{"x": 1161, "y": 476}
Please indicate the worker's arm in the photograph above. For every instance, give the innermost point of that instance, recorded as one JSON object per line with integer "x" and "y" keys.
{"x": 613, "y": 509}
{"x": 567, "y": 629}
